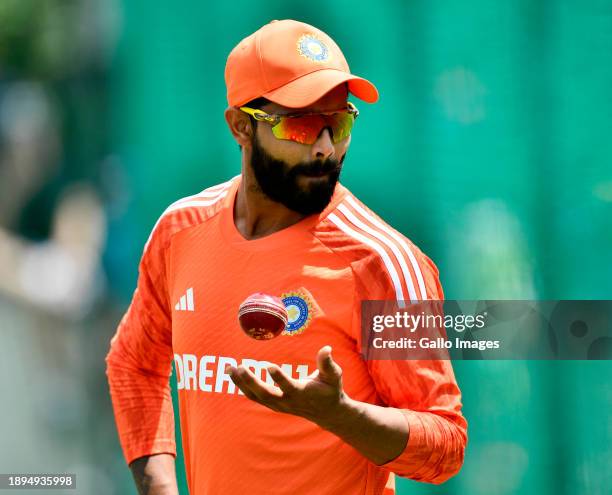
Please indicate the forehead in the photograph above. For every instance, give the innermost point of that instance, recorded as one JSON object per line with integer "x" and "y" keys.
{"x": 333, "y": 100}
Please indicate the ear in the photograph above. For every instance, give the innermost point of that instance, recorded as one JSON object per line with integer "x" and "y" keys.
{"x": 240, "y": 126}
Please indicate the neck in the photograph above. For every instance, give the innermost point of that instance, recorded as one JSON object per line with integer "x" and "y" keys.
{"x": 256, "y": 215}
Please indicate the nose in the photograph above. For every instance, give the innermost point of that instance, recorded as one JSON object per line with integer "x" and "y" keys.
{"x": 323, "y": 147}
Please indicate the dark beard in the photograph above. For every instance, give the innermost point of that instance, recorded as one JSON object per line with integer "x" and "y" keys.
{"x": 279, "y": 181}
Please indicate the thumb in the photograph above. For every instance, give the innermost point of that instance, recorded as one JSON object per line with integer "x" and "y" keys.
{"x": 329, "y": 370}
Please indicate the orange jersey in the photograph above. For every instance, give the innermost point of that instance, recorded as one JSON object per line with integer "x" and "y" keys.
{"x": 196, "y": 270}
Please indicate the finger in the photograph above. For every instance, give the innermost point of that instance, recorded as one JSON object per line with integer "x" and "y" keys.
{"x": 246, "y": 391}
{"x": 325, "y": 360}
{"x": 238, "y": 381}
{"x": 329, "y": 370}
{"x": 246, "y": 388}
{"x": 253, "y": 387}
{"x": 313, "y": 375}
{"x": 285, "y": 383}
{"x": 244, "y": 377}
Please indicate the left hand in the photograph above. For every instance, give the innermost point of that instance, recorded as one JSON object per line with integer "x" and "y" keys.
{"x": 316, "y": 398}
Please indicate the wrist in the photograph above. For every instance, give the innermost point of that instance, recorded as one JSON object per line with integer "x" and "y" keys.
{"x": 341, "y": 415}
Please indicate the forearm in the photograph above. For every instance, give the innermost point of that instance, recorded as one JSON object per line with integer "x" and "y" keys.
{"x": 155, "y": 475}
{"x": 379, "y": 433}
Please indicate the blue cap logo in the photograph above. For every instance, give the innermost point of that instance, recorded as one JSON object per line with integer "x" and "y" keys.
{"x": 312, "y": 48}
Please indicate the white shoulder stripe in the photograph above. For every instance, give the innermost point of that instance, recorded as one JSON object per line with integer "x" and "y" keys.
{"x": 223, "y": 185}
{"x": 177, "y": 205}
{"x": 385, "y": 240}
{"x": 399, "y": 293}
{"x": 209, "y": 192}
{"x": 402, "y": 242}
{"x": 196, "y": 202}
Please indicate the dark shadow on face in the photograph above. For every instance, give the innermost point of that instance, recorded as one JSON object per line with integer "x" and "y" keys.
{"x": 303, "y": 187}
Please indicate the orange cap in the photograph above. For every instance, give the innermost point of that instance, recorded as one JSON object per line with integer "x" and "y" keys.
{"x": 290, "y": 63}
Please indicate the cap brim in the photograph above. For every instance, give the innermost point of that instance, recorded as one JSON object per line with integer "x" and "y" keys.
{"x": 307, "y": 89}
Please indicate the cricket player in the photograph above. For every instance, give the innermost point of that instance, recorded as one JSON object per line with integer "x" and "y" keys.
{"x": 303, "y": 413}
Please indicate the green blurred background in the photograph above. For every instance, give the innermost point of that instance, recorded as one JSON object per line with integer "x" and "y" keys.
{"x": 490, "y": 147}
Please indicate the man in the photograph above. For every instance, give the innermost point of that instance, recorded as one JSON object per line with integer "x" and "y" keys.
{"x": 303, "y": 413}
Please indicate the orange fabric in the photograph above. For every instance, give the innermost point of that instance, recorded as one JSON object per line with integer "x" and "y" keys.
{"x": 291, "y": 63}
{"x": 195, "y": 272}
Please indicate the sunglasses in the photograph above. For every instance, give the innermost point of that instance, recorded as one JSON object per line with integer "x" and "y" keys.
{"x": 305, "y": 128}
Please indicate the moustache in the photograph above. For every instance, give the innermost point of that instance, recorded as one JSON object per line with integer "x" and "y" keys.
{"x": 316, "y": 168}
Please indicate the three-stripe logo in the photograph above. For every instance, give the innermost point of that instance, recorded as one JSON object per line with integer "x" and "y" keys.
{"x": 186, "y": 301}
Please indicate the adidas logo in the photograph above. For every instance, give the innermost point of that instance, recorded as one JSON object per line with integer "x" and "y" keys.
{"x": 186, "y": 301}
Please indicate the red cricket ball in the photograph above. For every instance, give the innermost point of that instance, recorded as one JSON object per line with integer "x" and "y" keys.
{"x": 262, "y": 317}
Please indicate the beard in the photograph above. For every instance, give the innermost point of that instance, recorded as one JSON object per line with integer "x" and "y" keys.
{"x": 281, "y": 182}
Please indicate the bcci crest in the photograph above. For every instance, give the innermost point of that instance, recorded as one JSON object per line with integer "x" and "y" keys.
{"x": 312, "y": 48}
{"x": 299, "y": 312}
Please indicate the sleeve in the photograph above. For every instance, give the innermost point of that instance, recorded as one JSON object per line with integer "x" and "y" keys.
{"x": 139, "y": 363}
{"x": 425, "y": 391}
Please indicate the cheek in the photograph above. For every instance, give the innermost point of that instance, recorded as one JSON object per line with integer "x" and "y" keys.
{"x": 342, "y": 147}
{"x": 281, "y": 149}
